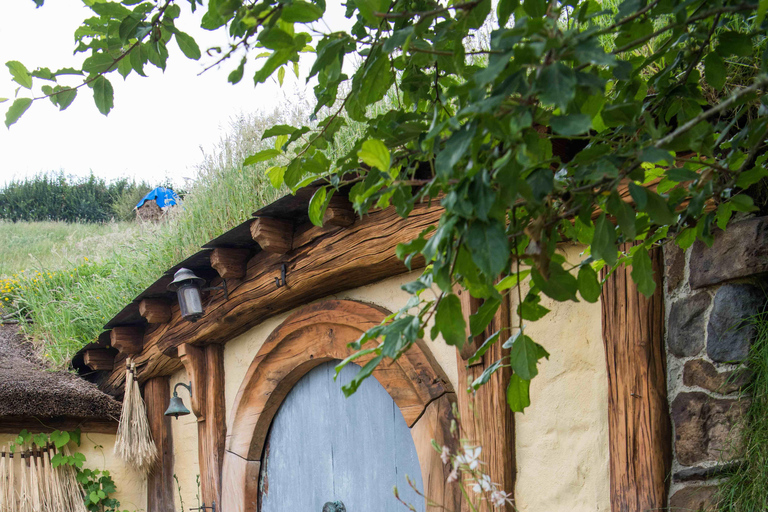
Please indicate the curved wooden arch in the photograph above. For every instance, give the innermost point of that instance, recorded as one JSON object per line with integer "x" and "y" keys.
{"x": 317, "y": 333}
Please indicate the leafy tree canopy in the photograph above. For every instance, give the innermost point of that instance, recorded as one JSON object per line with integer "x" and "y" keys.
{"x": 593, "y": 121}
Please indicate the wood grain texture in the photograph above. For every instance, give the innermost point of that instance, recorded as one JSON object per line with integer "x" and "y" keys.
{"x": 337, "y": 260}
{"x": 339, "y": 212}
{"x": 99, "y": 359}
{"x": 486, "y": 419}
{"x": 155, "y": 311}
{"x": 157, "y": 393}
{"x": 435, "y": 424}
{"x": 129, "y": 339}
{"x": 313, "y": 335}
{"x": 638, "y": 416}
{"x": 205, "y": 369}
{"x": 229, "y": 263}
{"x": 272, "y": 235}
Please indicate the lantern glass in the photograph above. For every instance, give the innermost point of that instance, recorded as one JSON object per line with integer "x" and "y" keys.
{"x": 190, "y": 302}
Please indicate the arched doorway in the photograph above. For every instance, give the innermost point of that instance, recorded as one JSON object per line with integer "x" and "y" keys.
{"x": 316, "y": 334}
{"x": 325, "y": 447}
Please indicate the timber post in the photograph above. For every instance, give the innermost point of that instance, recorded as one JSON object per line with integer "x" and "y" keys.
{"x": 638, "y": 418}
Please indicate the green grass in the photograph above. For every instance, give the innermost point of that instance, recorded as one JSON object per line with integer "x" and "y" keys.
{"x": 746, "y": 490}
{"x": 51, "y": 245}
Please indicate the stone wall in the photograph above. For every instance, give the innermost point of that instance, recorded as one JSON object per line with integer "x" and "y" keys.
{"x": 709, "y": 291}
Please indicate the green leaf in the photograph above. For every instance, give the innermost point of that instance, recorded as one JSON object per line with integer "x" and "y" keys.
{"x": 535, "y": 8}
{"x": 604, "y": 241}
{"x": 511, "y": 280}
{"x": 485, "y": 313}
{"x": 504, "y": 9}
{"x": 276, "y": 176}
{"x": 317, "y": 206}
{"x": 762, "y": 8}
{"x": 734, "y": 43}
{"x": 589, "y": 285}
{"x": 128, "y": 28}
{"x": 301, "y": 12}
{"x": 489, "y": 247}
{"x": 18, "y": 107}
{"x": 561, "y": 285}
{"x": 103, "y": 94}
{"x": 98, "y": 63}
{"x": 19, "y": 73}
{"x": 188, "y": 45}
{"x": 65, "y": 98}
{"x": 368, "y": 8}
{"x": 624, "y": 214}
{"x": 524, "y": 357}
{"x": 642, "y": 272}
{"x": 574, "y": 124}
{"x": 557, "y": 84}
{"x": 488, "y": 343}
{"x": 59, "y": 438}
{"x": 449, "y": 320}
{"x": 714, "y": 70}
{"x": 518, "y": 393}
{"x": 658, "y": 209}
{"x": 278, "y": 129}
{"x": 487, "y": 374}
{"x": 748, "y": 178}
{"x": 375, "y": 154}
{"x": 262, "y": 156}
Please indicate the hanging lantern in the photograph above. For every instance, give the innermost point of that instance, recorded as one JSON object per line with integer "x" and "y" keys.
{"x": 187, "y": 287}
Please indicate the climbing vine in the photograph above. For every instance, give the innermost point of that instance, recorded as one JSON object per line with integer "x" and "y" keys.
{"x": 597, "y": 122}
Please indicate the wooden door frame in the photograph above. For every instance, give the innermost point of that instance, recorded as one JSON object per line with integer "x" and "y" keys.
{"x": 315, "y": 334}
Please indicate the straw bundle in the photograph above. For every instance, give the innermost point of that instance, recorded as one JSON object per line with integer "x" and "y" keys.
{"x": 41, "y": 487}
{"x": 134, "y": 443}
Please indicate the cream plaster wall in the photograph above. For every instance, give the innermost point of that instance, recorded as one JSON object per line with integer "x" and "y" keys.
{"x": 562, "y": 439}
{"x": 98, "y": 451}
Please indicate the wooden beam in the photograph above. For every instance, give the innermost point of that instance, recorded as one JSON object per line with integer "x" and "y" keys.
{"x": 272, "y": 235}
{"x": 128, "y": 339}
{"x": 469, "y": 305}
{"x": 15, "y": 424}
{"x": 99, "y": 359}
{"x": 640, "y": 439}
{"x": 157, "y": 393}
{"x": 193, "y": 359}
{"x": 339, "y": 212}
{"x": 339, "y": 260}
{"x": 155, "y": 311}
{"x": 229, "y": 263}
{"x": 205, "y": 369}
{"x": 486, "y": 419}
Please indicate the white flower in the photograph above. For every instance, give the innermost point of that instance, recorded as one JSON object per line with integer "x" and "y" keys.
{"x": 484, "y": 484}
{"x": 445, "y": 455}
{"x": 470, "y": 457}
{"x": 453, "y": 476}
{"x": 500, "y": 498}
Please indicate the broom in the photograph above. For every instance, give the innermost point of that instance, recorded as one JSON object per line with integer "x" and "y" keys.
{"x": 133, "y": 443}
{"x": 4, "y": 496}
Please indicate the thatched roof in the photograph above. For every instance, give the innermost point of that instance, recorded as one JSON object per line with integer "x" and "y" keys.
{"x": 28, "y": 389}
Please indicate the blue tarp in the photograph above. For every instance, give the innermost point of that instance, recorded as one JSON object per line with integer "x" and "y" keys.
{"x": 163, "y": 196}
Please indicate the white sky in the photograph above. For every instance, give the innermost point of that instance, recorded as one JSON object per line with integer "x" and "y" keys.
{"x": 158, "y": 124}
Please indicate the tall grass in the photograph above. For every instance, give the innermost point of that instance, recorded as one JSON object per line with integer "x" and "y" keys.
{"x": 746, "y": 490}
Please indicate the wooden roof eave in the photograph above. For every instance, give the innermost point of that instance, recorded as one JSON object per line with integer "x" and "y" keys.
{"x": 321, "y": 262}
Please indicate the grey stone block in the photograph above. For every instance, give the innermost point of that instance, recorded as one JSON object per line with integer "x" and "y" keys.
{"x": 728, "y": 335}
{"x": 687, "y": 321}
{"x": 739, "y": 251}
